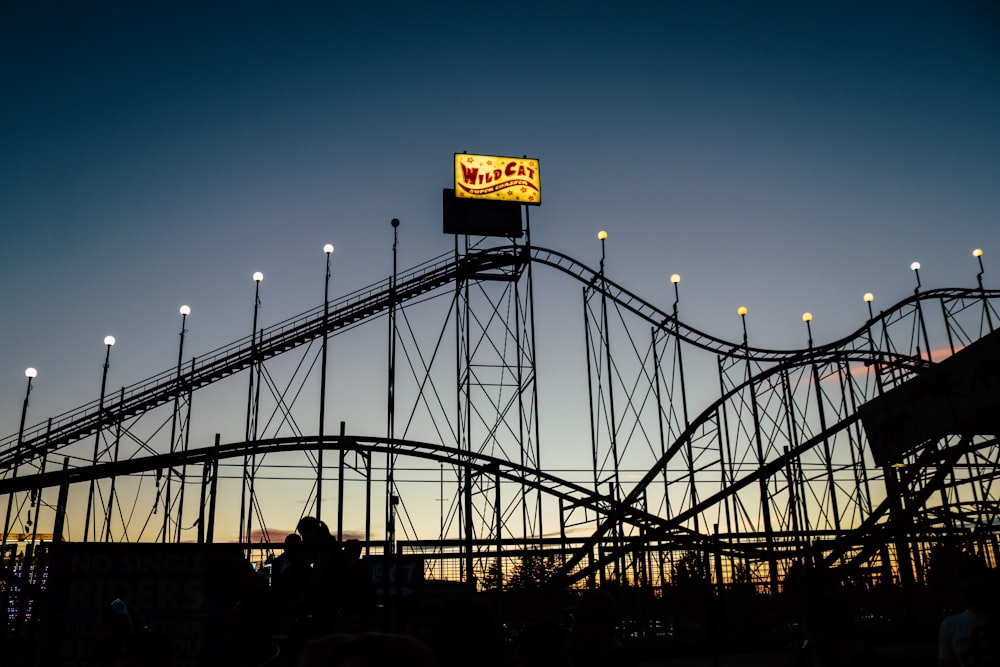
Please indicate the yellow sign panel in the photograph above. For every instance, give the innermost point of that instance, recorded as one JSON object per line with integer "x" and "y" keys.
{"x": 494, "y": 177}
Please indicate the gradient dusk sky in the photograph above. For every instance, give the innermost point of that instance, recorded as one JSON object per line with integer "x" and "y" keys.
{"x": 786, "y": 156}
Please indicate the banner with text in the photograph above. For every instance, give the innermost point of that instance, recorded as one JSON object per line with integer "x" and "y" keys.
{"x": 500, "y": 178}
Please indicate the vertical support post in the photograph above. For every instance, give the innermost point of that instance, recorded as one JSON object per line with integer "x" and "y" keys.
{"x": 978, "y": 254}
{"x": 29, "y": 373}
{"x": 534, "y": 369}
{"x": 328, "y": 250}
{"x": 340, "y": 484}
{"x": 253, "y": 404}
{"x": 111, "y": 491}
{"x": 185, "y": 311}
{"x": 498, "y": 520}
{"x": 205, "y": 475}
{"x": 827, "y": 455}
{"x": 60, "y": 520}
{"x": 765, "y": 496}
{"x": 367, "y": 458}
{"x": 187, "y": 444}
{"x": 109, "y": 341}
{"x": 210, "y": 536}
{"x": 390, "y": 467}
{"x": 725, "y": 453}
{"x": 659, "y": 423}
{"x": 675, "y": 279}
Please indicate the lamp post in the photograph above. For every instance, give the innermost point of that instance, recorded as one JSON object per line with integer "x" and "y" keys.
{"x": 109, "y": 342}
{"x": 390, "y": 425}
{"x": 675, "y": 280}
{"x": 31, "y": 374}
{"x": 915, "y": 267}
{"x": 184, "y": 311}
{"x": 602, "y": 236}
{"x": 868, "y": 298}
{"x": 807, "y": 318}
{"x": 619, "y": 566}
{"x": 765, "y": 496}
{"x": 978, "y": 254}
{"x": 328, "y": 251}
{"x": 251, "y": 426}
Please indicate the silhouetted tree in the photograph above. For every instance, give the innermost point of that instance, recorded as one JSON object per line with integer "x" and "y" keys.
{"x": 533, "y": 571}
{"x": 493, "y": 577}
{"x": 691, "y": 568}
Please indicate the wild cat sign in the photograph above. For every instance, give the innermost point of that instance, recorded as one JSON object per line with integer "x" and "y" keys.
{"x": 499, "y": 178}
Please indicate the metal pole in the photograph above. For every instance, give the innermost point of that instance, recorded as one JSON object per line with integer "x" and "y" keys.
{"x": 251, "y": 416}
{"x": 827, "y": 455}
{"x": 38, "y": 499}
{"x": 29, "y": 373}
{"x": 340, "y": 485}
{"x": 920, "y": 313}
{"x": 111, "y": 491}
{"x": 108, "y": 342}
{"x": 210, "y": 531}
{"x": 765, "y": 498}
{"x": 328, "y": 249}
{"x": 390, "y": 472}
{"x": 187, "y": 443}
{"x": 173, "y": 426}
{"x": 60, "y": 520}
{"x": 692, "y": 488}
{"x": 978, "y": 254}
{"x": 534, "y": 370}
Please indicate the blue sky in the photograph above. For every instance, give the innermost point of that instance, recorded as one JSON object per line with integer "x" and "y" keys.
{"x": 783, "y": 156}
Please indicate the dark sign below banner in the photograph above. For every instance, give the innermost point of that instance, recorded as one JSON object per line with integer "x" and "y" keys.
{"x": 481, "y": 217}
{"x": 959, "y": 396}
{"x": 169, "y": 601}
{"x": 395, "y": 576}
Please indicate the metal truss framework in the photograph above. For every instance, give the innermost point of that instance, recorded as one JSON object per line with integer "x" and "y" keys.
{"x": 770, "y": 469}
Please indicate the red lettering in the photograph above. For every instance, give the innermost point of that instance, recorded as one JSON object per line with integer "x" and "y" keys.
{"x": 469, "y": 174}
{"x": 509, "y": 171}
{"x": 497, "y": 174}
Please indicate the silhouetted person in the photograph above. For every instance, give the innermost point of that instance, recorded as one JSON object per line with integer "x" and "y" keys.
{"x": 354, "y": 588}
{"x": 971, "y": 637}
{"x": 322, "y": 597}
{"x": 290, "y": 572}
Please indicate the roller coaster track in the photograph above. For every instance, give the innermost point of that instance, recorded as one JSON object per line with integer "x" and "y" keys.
{"x": 619, "y": 524}
{"x": 374, "y": 300}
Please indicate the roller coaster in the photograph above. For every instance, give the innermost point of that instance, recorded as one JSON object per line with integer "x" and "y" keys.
{"x": 860, "y": 454}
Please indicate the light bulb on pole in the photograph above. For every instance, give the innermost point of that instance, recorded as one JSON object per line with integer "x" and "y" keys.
{"x": 869, "y": 297}
{"x": 602, "y": 236}
{"x": 915, "y": 267}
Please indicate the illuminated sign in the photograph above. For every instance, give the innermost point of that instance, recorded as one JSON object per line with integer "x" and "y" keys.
{"x": 507, "y": 179}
